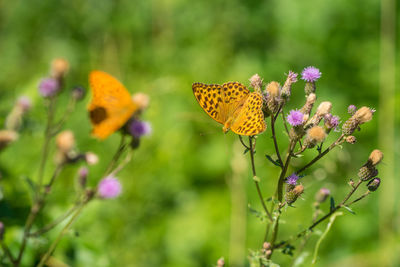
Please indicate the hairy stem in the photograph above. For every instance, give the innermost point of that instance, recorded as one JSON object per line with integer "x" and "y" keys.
{"x": 278, "y": 154}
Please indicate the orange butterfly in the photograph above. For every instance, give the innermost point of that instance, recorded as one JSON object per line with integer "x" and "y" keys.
{"x": 111, "y": 105}
{"x": 232, "y": 105}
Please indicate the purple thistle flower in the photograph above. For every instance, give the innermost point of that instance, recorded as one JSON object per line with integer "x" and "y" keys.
{"x": 295, "y": 118}
{"x": 139, "y": 128}
{"x": 48, "y": 87}
{"x": 292, "y": 76}
{"x": 292, "y": 179}
{"x": 109, "y": 187}
{"x": 351, "y": 109}
{"x": 310, "y": 74}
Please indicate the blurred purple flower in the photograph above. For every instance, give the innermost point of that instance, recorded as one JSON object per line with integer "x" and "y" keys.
{"x": 292, "y": 179}
{"x": 48, "y": 87}
{"x": 331, "y": 121}
{"x": 311, "y": 74}
{"x": 109, "y": 187}
{"x": 295, "y": 118}
{"x": 25, "y": 103}
{"x": 139, "y": 128}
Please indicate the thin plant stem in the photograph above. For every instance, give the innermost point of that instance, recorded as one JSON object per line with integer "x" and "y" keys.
{"x": 278, "y": 154}
{"x": 241, "y": 141}
{"x": 320, "y": 155}
{"x": 256, "y": 182}
{"x": 117, "y": 155}
{"x": 60, "y": 235}
{"x": 284, "y": 121}
{"x": 7, "y": 252}
{"x": 56, "y": 222}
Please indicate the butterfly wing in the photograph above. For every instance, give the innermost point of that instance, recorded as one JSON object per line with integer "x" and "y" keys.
{"x": 220, "y": 102}
{"x": 250, "y": 119}
{"x": 111, "y": 105}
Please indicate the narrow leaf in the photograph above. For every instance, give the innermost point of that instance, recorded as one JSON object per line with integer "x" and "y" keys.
{"x": 245, "y": 151}
{"x": 275, "y": 162}
{"x": 332, "y": 204}
{"x": 349, "y": 210}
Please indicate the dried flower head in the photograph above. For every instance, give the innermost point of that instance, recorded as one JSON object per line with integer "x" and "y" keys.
{"x": 139, "y": 128}
{"x": 48, "y": 87}
{"x": 109, "y": 187}
{"x": 65, "y": 141}
{"x": 141, "y": 100}
{"x": 59, "y": 67}
{"x": 256, "y": 82}
{"x": 221, "y": 262}
{"x": 317, "y": 133}
{"x": 363, "y": 115}
{"x": 292, "y": 196}
{"x": 324, "y": 108}
{"x": 273, "y": 89}
{"x": 295, "y": 118}
{"x": 287, "y": 87}
{"x": 310, "y": 74}
{"x": 375, "y": 157}
{"x": 331, "y": 121}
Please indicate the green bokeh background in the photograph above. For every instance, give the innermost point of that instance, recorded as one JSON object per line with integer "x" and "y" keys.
{"x": 185, "y": 194}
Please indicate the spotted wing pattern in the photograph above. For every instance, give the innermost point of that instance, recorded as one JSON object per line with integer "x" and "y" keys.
{"x": 250, "y": 120}
{"x": 220, "y": 102}
{"x": 111, "y": 105}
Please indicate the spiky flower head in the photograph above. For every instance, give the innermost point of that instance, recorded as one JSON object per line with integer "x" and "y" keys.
{"x": 364, "y": 115}
{"x": 367, "y": 172}
{"x": 291, "y": 196}
{"x": 351, "y": 139}
{"x": 306, "y": 109}
{"x": 59, "y": 67}
{"x": 273, "y": 89}
{"x": 374, "y": 184}
{"x": 292, "y": 179}
{"x": 310, "y": 74}
{"x": 109, "y": 187}
{"x": 317, "y": 133}
{"x": 295, "y": 118}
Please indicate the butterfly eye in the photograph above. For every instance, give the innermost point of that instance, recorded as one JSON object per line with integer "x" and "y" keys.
{"x": 98, "y": 114}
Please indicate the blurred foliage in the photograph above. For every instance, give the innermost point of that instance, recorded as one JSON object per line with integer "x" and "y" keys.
{"x": 176, "y": 206}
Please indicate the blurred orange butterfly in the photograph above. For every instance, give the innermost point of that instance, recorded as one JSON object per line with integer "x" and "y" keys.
{"x": 111, "y": 105}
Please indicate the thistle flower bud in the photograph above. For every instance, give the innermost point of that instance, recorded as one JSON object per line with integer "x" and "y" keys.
{"x": 351, "y": 109}
{"x": 82, "y": 176}
{"x": 367, "y": 172}
{"x": 292, "y": 196}
{"x": 314, "y": 135}
{"x": 78, "y": 92}
{"x": 375, "y": 157}
{"x": 256, "y": 82}
{"x": 287, "y": 86}
{"x": 361, "y": 116}
{"x": 324, "y": 108}
{"x": 322, "y": 195}
{"x": 1, "y": 230}
{"x": 49, "y": 87}
{"x": 306, "y": 109}
{"x": 331, "y": 121}
{"x": 59, "y": 67}
{"x": 91, "y": 158}
{"x": 7, "y": 137}
{"x": 374, "y": 184}
{"x": 65, "y": 141}
{"x": 221, "y": 262}
{"x": 351, "y": 139}
{"x": 272, "y": 91}
{"x": 141, "y": 100}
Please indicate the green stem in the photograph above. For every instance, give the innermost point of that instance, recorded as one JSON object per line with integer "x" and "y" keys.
{"x": 7, "y": 252}
{"x": 256, "y": 182}
{"x": 278, "y": 154}
{"x": 60, "y": 236}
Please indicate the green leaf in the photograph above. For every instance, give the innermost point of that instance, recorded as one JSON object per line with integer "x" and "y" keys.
{"x": 275, "y": 162}
{"x": 349, "y": 210}
{"x": 245, "y": 151}
{"x": 332, "y": 204}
